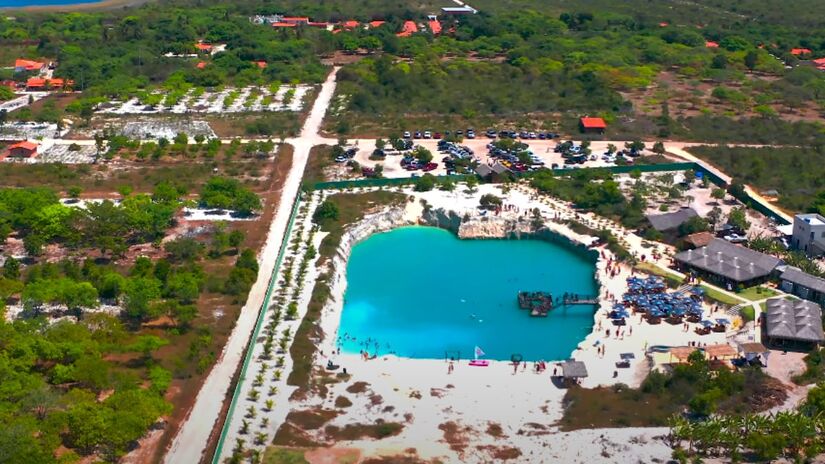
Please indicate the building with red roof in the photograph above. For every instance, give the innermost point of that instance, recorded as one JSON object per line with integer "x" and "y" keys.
{"x": 596, "y": 125}
{"x": 261, "y": 64}
{"x": 295, "y": 19}
{"x": 663, "y": 24}
{"x": 711, "y": 44}
{"x": 377, "y": 23}
{"x": 204, "y": 47}
{"x": 800, "y": 51}
{"x": 21, "y": 65}
{"x": 39, "y": 83}
{"x": 435, "y": 26}
{"x": 22, "y": 150}
{"x": 283, "y": 24}
{"x": 9, "y": 83}
{"x": 350, "y": 24}
{"x": 321, "y": 24}
{"x": 201, "y": 65}
{"x": 408, "y": 29}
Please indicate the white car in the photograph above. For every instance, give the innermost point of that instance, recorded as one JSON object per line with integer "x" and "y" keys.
{"x": 428, "y": 135}
{"x": 407, "y": 135}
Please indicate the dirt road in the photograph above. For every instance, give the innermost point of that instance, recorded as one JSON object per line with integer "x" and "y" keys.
{"x": 191, "y": 440}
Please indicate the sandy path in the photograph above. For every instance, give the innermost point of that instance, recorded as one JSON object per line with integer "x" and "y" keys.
{"x": 189, "y": 444}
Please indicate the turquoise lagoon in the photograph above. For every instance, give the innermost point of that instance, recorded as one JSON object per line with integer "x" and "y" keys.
{"x": 420, "y": 292}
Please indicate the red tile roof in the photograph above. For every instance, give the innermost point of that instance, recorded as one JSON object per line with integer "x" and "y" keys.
{"x": 819, "y": 61}
{"x": 351, "y": 24}
{"x": 39, "y": 82}
{"x": 204, "y": 47}
{"x": 201, "y": 65}
{"x": 284, "y": 24}
{"x": 377, "y": 23}
{"x": 663, "y": 24}
{"x": 261, "y": 64}
{"x": 409, "y": 29}
{"x": 295, "y": 19}
{"x": 800, "y": 51}
{"x": 26, "y": 145}
{"x": 593, "y": 123}
{"x": 28, "y": 65}
{"x": 710, "y": 44}
{"x": 318, "y": 24}
{"x": 435, "y": 27}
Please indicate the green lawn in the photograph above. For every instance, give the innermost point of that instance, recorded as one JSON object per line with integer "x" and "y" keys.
{"x": 757, "y": 292}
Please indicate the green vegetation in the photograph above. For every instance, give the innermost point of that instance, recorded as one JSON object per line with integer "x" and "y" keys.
{"x": 795, "y": 173}
{"x": 795, "y": 435}
{"x": 221, "y": 192}
{"x": 694, "y": 386}
{"x": 814, "y": 368}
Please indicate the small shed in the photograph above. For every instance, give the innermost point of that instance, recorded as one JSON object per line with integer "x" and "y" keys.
{"x": 22, "y": 150}
{"x": 721, "y": 351}
{"x": 592, "y": 125}
{"x": 680, "y": 354}
{"x": 573, "y": 370}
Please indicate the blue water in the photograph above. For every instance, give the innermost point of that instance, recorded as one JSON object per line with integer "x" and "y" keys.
{"x": 23, "y": 3}
{"x": 420, "y": 292}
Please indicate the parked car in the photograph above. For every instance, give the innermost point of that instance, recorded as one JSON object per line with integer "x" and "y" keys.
{"x": 471, "y": 134}
{"x": 407, "y": 135}
{"x": 428, "y": 135}
{"x": 491, "y": 133}
{"x": 437, "y": 135}
{"x": 429, "y": 167}
{"x": 417, "y": 135}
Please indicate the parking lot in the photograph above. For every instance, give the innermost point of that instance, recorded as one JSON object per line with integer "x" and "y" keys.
{"x": 543, "y": 149}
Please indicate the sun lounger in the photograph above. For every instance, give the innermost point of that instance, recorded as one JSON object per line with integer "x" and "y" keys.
{"x": 480, "y": 363}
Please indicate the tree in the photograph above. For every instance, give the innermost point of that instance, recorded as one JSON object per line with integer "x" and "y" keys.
{"x": 635, "y": 146}
{"x": 74, "y": 192}
{"x": 326, "y": 212}
{"x": 11, "y": 268}
{"x": 183, "y": 249}
{"x": 138, "y": 294}
{"x": 184, "y": 287}
{"x": 423, "y": 155}
{"x": 472, "y": 185}
{"x": 236, "y": 238}
{"x": 718, "y": 194}
{"x": 447, "y": 185}
{"x": 658, "y": 148}
{"x": 693, "y": 225}
{"x": 751, "y": 59}
{"x": 738, "y": 218}
{"x": 490, "y": 201}
{"x": 425, "y": 183}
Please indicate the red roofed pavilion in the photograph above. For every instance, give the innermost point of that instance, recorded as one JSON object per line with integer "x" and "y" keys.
{"x": 800, "y": 51}
{"x": 711, "y": 44}
{"x": 592, "y": 125}
{"x": 408, "y": 29}
{"x": 435, "y": 26}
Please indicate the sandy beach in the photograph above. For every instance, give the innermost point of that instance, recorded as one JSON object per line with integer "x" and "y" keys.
{"x": 431, "y": 402}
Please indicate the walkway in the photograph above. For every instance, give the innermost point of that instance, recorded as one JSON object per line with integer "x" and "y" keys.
{"x": 192, "y": 438}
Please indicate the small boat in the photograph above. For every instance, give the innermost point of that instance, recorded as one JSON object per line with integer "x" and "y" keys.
{"x": 479, "y": 362}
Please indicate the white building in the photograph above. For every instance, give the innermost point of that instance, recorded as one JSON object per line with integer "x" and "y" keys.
{"x": 809, "y": 234}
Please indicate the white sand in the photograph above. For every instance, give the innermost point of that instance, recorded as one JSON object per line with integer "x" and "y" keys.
{"x": 474, "y": 397}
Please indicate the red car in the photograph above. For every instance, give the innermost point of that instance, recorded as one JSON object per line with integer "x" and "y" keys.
{"x": 430, "y": 167}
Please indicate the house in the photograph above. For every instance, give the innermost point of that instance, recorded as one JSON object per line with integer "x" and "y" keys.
{"x": 808, "y": 234}
{"x": 321, "y": 24}
{"x": 802, "y": 284}
{"x": 711, "y": 44}
{"x": 671, "y": 221}
{"x": 727, "y": 264}
{"x": 260, "y": 64}
{"x": 374, "y": 24}
{"x": 800, "y": 51}
{"x": 793, "y": 322}
{"x": 41, "y": 84}
{"x": 283, "y": 24}
{"x": 204, "y": 47}
{"x": 592, "y": 125}
{"x": 21, "y": 151}
{"x": 496, "y": 172}
{"x": 408, "y": 29}
{"x": 295, "y": 20}
{"x": 458, "y": 10}
{"x": 435, "y": 26}
{"x": 201, "y": 65}
{"x": 350, "y": 24}
{"x": 21, "y": 65}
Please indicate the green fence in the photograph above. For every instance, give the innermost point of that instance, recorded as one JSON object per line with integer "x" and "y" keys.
{"x": 256, "y": 331}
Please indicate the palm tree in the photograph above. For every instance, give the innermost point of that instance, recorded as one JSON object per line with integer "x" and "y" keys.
{"x": 251, "y": 412}
{"x": 260, "y": 438}
{"x": 244, "y": 427}
{"x": 269, "y": 405}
